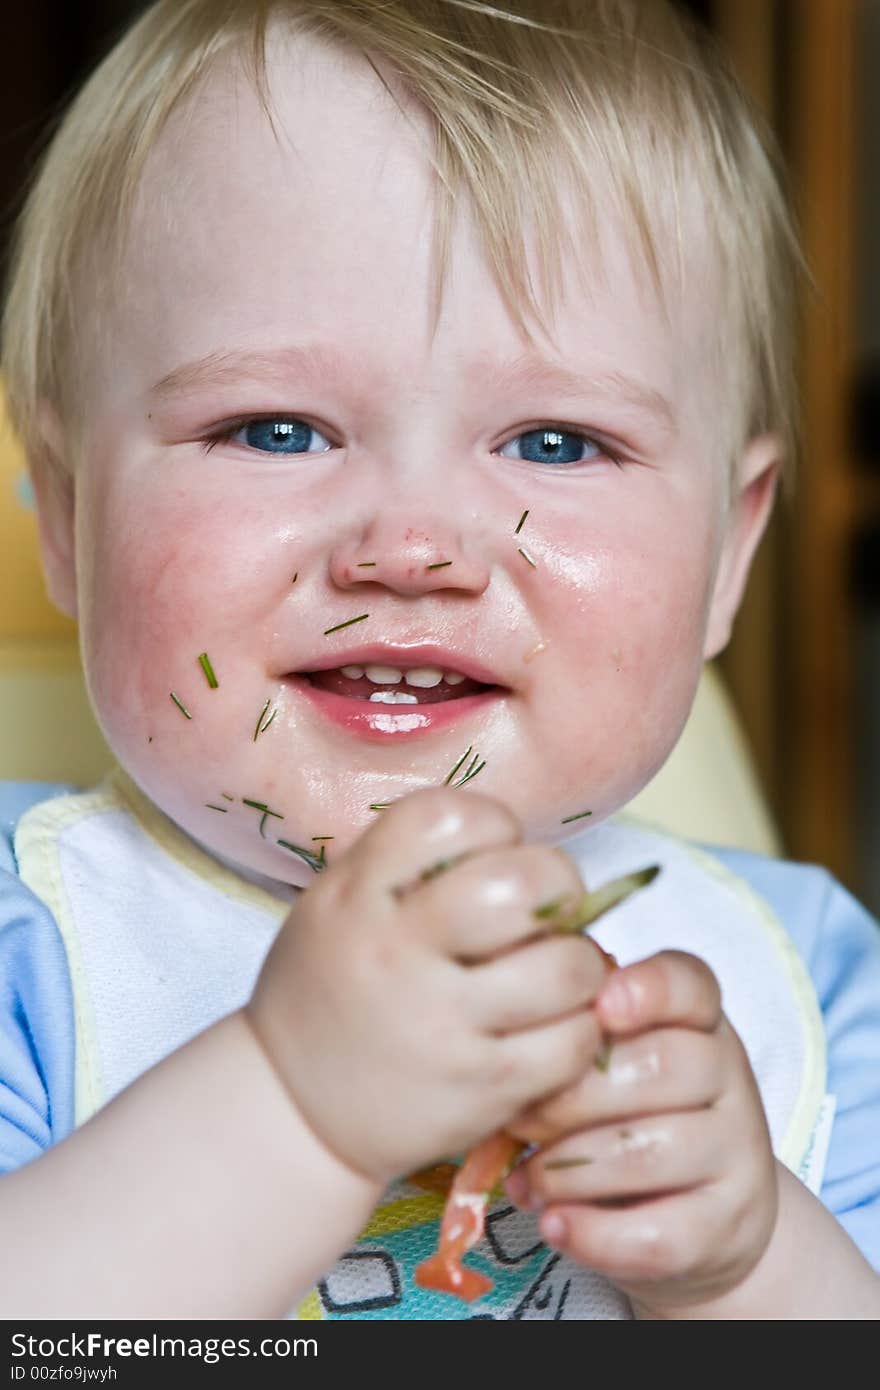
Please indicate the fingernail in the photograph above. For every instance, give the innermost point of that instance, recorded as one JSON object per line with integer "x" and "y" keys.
{"x": 617, "y": 1002}
{"x": 554, "y": 1229}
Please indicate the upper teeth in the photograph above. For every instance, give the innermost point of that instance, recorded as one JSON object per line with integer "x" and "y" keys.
{"x": 422, "y": 676}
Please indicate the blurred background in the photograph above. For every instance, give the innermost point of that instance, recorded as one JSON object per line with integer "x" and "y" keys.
{"x": 803, "y": 668}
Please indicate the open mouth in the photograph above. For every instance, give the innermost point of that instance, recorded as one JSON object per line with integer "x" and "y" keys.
{"x": 394, "y": 685}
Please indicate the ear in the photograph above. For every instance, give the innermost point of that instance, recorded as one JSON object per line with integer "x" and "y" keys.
{"x": 751, "y": 506}
{"x": 51, "y": 469}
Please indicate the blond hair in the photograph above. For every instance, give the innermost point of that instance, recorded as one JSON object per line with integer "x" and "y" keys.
{"x": 518, "y": 92}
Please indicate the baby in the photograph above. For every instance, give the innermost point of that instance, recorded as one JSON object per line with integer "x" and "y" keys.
{"x": 405, "y": 388}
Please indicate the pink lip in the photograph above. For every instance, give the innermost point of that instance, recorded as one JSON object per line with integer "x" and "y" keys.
{"x": 380, "y": 722}
{"x": 376, "y": 653}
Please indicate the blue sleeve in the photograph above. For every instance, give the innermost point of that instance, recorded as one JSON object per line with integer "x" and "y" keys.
{"x": 840, "y": 944}
{"x": 36, "y": 1006}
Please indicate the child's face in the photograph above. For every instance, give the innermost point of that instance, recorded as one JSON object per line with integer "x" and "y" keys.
{"x": 297, "y": 274}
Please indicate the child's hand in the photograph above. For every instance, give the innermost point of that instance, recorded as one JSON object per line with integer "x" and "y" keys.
{"x": 657, "y": 1171}
{"x": 407, "y": 1025}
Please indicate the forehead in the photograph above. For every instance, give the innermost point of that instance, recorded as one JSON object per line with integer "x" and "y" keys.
{"x": 319, "y": 227}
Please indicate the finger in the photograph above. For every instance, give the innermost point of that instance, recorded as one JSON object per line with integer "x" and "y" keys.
{"x": 643, "y": 1243}
{"x": 662, "y": 1070}
{"x": 497, "y": 899}
{"x": 540, "y": 982}
{"x": 644, "y": 1157}
{"x": 428, "y": 827}
{"x": 538, "y": 1061}
{"x": 671, "y": 987}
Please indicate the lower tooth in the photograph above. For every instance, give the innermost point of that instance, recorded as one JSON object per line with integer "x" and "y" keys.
{"x": 392, "y": 697}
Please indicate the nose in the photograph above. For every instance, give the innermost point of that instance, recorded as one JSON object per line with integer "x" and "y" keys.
{"x": 409, "y": 558}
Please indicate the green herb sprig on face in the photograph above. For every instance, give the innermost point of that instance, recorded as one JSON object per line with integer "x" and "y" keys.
{"x": 520, "y": 522}
{"x": 471, "y": 772}
{"x": 261, "y": 727}
{"x": 181, "y": 707}
{"x": 348, "y": 623}
{"x": 205, "y": 663}
{"x": 313, "y": 861}
{"x": 527, "y": 557}
{"x": 579, "y": 816}
{"x": 441, "y": 564}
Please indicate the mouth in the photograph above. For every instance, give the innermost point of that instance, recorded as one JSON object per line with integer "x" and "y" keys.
{"x": 380, "y": 691}
{"x": 386, "y": 685}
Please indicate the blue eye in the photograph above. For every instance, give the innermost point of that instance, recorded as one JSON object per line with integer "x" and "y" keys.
{"x": 550, "y": 445}
{"x": 273, "y": 436}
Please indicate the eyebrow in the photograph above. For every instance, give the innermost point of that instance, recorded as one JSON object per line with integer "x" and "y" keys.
{"x": 226, "y": 368}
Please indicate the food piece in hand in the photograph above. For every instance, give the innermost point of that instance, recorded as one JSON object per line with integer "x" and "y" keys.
{"x": 490, "y": 1162}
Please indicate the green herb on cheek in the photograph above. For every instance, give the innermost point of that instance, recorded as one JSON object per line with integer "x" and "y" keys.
{"x": 295, "y": 577}
{"x": 366, "y": 565}
{"x": 520, "y": 522}
{"x": 380, "y": 805}
{"x": 457, "y": 766}
{"x": 260, "y": 720}
{"x": 328, "y": 630}
{"x": 527, "y": 557}
{"x": 227, "y": 797}
{"x": 267, "y": 723}
{"x": 580, "y": 815}
{"x": 212, "y": 807}
{"x": 311, "y": 859}
{"x": 441, "y": 564}
{"x": 205, "y": 663}
{"x": 323, "y": 837}
{"x": 181, "y": 707}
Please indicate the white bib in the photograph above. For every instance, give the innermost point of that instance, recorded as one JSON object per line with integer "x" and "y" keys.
{"x": 163, "y": 941}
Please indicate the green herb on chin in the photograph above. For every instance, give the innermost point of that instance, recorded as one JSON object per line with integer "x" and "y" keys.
{"x": 457, "y": 766}
{"x": 380, "y": 805}
{"x": 366, "y": 565}
{"x": 527, "y": 557}
{"x": 441, "y": 564}
{"x": 205, "y": 663}
{"x": 520, "y": 522}
{"x": 323, "y": 837}
{"x": 267, "y": 723}
{"x": 181, "y": 707}
{"x": 212, "y": 807}
{"x": 472, "y": 771}
{"x": 580, "y": 815}
{"x": 261, "y": 806}
{"x": 328, "y": 630}
{"x": 311, "y": 859}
